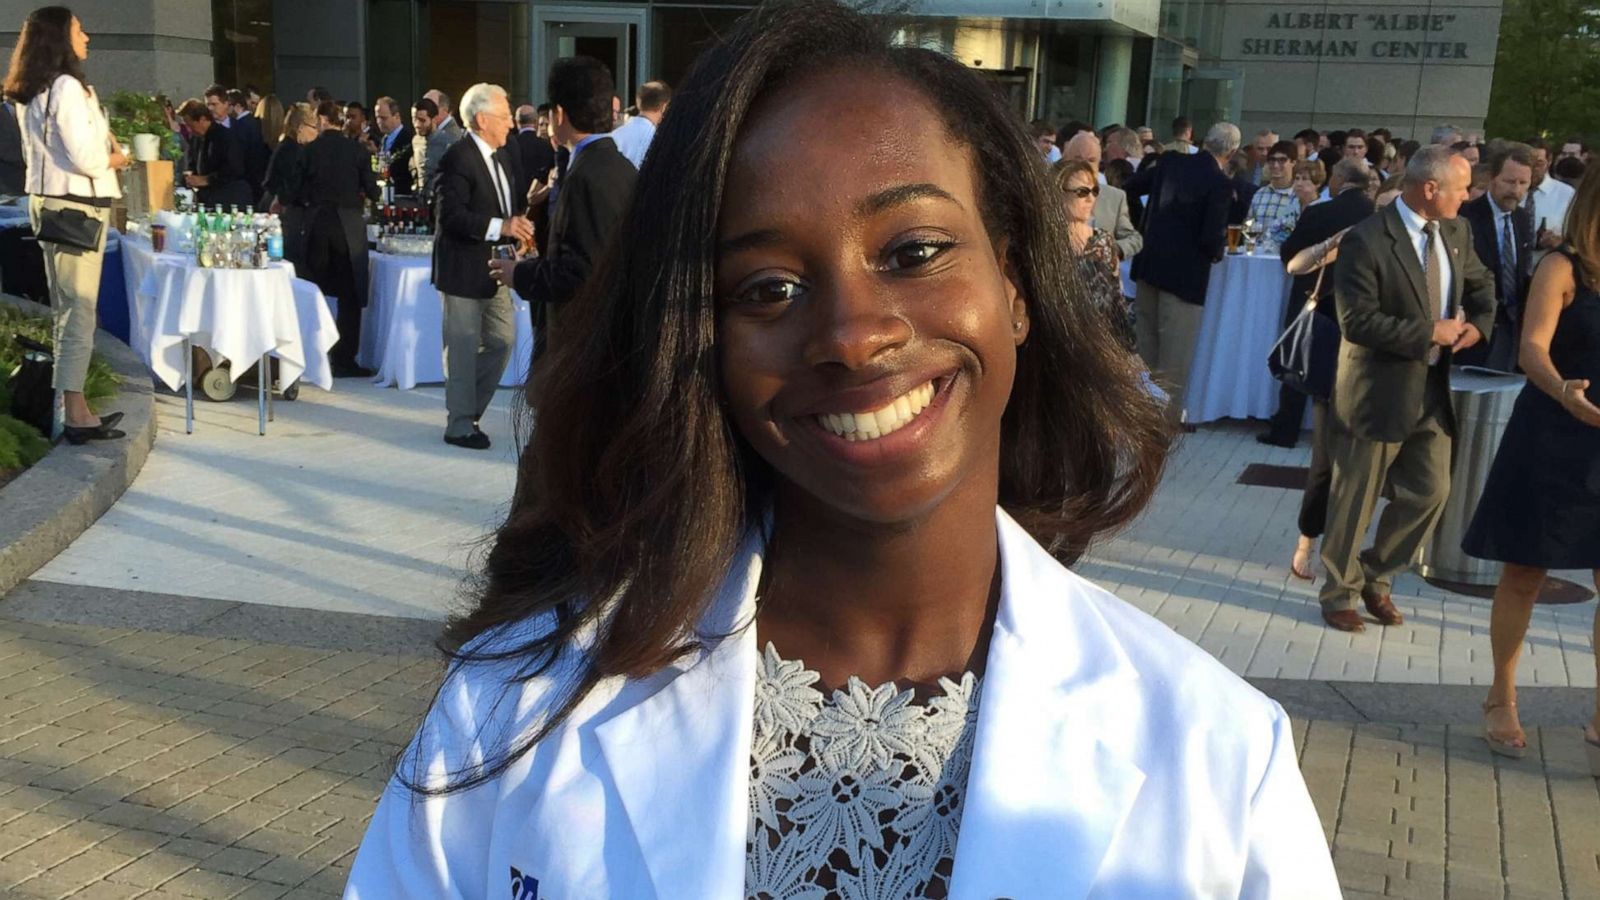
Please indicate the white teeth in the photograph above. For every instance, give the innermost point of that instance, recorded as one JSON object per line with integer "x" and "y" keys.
{"x": 873, "y": 424}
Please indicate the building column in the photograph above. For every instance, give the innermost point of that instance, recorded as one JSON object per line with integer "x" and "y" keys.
{"x": 1113, "y": 77}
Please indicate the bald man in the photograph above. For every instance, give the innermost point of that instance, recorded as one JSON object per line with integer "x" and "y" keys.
{"x": 1111, "y": 207}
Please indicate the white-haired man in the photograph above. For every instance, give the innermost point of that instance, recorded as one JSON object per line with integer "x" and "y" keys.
{"x": 1411, "y": 292}
{"x": 1185, "y": 232}
{"x": 479, "y": 207}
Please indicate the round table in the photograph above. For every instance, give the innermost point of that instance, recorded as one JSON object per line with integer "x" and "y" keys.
{"x": 239, "y": 315}
{"x": 402, "y": 328}
{"x": 1243, "y": 318}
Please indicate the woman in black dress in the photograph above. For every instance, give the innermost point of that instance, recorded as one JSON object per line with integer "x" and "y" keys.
{"x": 1541, "y": 506}
{"x": 299, "y": 129}
{"x": 332, "y": 179}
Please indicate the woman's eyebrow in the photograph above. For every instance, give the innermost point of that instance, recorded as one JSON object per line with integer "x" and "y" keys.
{"x": 750, "y": 240}
{"x": 903, "y": 193}
{"x": 869, "y": 206}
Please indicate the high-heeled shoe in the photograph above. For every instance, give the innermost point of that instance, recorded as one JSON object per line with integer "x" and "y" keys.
{"x": 1500, "y": 745}
{"x": 77, "y": 435}
{"x": 1591, "y": 746}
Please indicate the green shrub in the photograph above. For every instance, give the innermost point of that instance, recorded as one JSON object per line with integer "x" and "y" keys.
{"x": 20, "y": 445}
{"x": 98, "y": 388}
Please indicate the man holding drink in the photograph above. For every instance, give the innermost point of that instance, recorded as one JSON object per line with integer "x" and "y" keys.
{"x": 478, "y": 212}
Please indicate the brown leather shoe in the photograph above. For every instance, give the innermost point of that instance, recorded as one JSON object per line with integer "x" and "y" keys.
{"x": 1344, "y": 620}
{"x": 1381, "y": 607}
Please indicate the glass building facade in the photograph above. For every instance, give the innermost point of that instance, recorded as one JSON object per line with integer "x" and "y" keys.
{"x": 1311, "y": 63}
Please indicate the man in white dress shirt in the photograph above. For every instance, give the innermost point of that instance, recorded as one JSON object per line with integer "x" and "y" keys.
{"x": 1548, "y": 199}
{"x": 634, "y": 137}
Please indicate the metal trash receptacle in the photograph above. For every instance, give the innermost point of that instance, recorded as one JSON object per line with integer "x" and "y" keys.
{"x": 1483, "y": 400}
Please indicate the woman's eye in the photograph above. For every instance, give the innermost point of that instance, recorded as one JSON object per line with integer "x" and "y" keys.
{"x": 916, "y": 253}
{"x": 772, "y": 290}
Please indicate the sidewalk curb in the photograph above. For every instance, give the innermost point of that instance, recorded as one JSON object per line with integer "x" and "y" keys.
{"x": 50, "y": 504}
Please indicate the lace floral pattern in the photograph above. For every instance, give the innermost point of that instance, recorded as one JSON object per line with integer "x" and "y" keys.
{"x": 857, "y": 796}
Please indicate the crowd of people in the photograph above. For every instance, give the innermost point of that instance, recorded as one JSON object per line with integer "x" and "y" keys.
{"x": 771, "y": 455}
{"x": 1494, "y": 247}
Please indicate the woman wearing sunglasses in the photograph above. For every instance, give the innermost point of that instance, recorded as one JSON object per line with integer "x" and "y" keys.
{"x": 1094, "y": 250}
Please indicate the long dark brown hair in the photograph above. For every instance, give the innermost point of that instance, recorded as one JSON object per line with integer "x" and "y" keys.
{"x": 43, "y": 54}
{"x": 636, "y": 489}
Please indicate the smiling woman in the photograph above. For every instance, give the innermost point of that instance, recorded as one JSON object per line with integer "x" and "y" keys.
{"x": 781, "y": 605}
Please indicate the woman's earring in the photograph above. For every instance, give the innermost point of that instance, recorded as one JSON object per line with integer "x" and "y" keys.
{"x": 1017, "y": 326}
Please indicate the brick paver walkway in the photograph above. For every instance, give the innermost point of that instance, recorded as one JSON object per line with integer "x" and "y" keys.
{"x": 157, "y": 765}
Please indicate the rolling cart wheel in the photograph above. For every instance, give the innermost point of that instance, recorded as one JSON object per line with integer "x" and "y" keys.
{"x": 216, "y": 384}
{"x": 292, "y": 392}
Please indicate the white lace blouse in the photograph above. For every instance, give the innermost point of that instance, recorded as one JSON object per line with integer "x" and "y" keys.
{"x": 857, "y": 796}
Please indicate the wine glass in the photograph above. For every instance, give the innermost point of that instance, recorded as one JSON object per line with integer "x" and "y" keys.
{"x": 1253, "y": 229}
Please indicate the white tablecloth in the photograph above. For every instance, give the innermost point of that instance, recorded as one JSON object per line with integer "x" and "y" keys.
{"x": 402, "y": 328}
{"x": 235, "y": 314}
{"x": 1243, "y": 318}
{"x": 212, "y": 299}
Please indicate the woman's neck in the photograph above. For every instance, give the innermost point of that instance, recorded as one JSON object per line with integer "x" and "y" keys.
{"x": 906, "y": 603}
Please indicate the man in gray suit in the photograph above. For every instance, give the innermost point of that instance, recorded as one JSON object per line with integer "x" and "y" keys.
{"x": 436, "y": 130}
{"x": 1410, "y": 292}
{"x": 1111, "y": 208}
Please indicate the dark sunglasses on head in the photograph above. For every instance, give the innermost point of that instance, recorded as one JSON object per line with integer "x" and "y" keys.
{"x": 1084, "y": 192}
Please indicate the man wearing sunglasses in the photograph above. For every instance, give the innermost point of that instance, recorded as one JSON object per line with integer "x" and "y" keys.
{"x": 1276, "y": 201}
{"x": 1111, "y": 205}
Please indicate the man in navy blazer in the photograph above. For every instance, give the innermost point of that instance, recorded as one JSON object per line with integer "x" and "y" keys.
{"x": 1185, "y": 231}
{"x": 1502, "y": 235}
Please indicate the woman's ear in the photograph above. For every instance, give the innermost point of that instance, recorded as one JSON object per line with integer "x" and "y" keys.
{"x": 1016, "y": 303}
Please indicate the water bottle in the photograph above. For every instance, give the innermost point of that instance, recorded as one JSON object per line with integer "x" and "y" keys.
{"x": 202, "y": 239}
{"x": 274, "y": 238}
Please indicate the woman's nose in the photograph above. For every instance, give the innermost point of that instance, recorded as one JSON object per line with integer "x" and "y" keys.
{"x": 854, "y": 320}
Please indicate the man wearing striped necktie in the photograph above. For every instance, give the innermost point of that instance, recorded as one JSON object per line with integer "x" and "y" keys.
{"x": 1503, "y": 237}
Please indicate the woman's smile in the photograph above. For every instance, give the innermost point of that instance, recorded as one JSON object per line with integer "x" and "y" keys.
{"x": 891, "y": 432}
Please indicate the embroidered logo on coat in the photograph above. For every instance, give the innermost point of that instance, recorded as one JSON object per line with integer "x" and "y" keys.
{"x": 523, "y": 887}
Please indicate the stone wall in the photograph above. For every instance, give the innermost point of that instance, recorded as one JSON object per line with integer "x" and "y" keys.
{"x": 1360, "y": 63}
{"x": 139, "y": 45}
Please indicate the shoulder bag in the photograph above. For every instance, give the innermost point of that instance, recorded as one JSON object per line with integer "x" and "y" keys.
{"x": 71, "y": 228}
{"x": 1307, "y": 354}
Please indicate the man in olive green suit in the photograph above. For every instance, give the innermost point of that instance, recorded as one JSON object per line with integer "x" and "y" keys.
{"x": 1410, "y": 292}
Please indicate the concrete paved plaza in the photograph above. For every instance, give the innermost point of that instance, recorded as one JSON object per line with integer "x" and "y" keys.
{"x": 204, "y": 695}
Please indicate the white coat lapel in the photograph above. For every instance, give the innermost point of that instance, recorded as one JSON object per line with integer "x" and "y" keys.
{"x": 680, "y": 758}
{"x": 1048, "y": 789}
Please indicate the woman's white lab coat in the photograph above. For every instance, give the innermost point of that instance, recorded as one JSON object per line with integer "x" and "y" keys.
{"x": 1113, "y": 759}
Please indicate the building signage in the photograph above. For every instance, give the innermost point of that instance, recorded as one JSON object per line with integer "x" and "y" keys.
{"x": 1356, "y": 36}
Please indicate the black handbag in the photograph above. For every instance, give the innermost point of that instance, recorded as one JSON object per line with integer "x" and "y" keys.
{"x": 1306, "y": 356}
{"x": 32, "y": 398}
{"x": 68, "y": 227}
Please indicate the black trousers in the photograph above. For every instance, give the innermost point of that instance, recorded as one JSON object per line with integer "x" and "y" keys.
{"x": 1314, "y": 502}
{"x": 328, "y": 259}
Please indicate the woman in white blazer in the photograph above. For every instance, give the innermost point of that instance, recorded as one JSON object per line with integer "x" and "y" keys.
{"x": 71, "y": 162}
{"x": 781, "y": 606}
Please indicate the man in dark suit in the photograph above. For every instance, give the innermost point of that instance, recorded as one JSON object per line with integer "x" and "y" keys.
{"x": 477, "y": 209}
{"x": 246, "y": 129}
{"x": 590, "y": 197}
{"x": 1410, "y": 292}
{"x": 12, "y": 168}
{"x": 1503, "y": 236}
{"x": 1185, "y": 232}
{"x": 395, "y": 140}
{"x": 218, "y": 177}
{"x": 1350, "y": 183}
{"x": 538, "y": 156}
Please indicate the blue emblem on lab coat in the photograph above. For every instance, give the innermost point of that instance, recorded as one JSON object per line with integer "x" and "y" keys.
{"x": 523, "y": 887}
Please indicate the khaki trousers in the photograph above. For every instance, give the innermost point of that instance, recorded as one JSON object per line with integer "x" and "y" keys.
{"x": 1417, "y": 473}
{"x": 74, "y": 278}
{"x": 1166, "y": 329}
{"x": 478, "y": 335}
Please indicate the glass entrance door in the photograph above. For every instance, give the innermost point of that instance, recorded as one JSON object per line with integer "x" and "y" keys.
{"x": 615, "y": 36}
